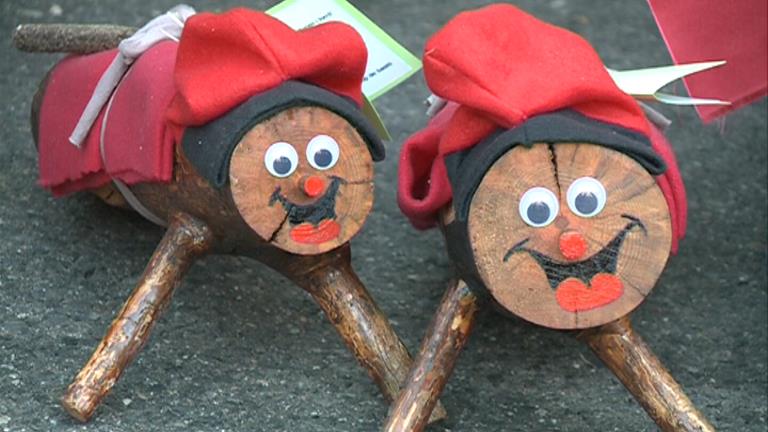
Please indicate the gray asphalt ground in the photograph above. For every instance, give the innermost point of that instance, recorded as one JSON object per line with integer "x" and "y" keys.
{"x": 241, "y": 349}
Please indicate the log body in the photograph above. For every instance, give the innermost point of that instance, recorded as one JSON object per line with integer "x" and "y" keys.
{"x": 259, "y": 216}
{"x": 582, "y": 230}
{"x": 567, "y": 236}
{"x": 255, "y": 212}
{"x": 327, "y": 276}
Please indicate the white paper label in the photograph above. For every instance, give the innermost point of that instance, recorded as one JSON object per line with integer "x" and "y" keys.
{"x": 389, "y": 63}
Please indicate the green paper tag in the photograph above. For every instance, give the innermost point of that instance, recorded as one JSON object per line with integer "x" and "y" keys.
{"x": 389, "y": 63}
{"x": 370, "y": 112}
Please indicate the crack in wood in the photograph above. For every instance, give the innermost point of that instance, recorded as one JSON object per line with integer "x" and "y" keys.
{"x": 553, "y": 160}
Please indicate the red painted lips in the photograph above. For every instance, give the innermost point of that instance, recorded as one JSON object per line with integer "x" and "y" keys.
{"x": 307, "y": 233}
{"x": 574, "y": 296}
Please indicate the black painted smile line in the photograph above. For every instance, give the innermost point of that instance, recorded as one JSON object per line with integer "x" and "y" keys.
{"x": 318, "y": 211}
{"x": 602, "y": 262}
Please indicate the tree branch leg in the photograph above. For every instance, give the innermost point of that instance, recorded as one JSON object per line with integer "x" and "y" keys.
{"x": 630, "y": 359}
{"x": 359, "y": 321}
{"x": 185, "y": 240}
{"x": 445, "y": 339}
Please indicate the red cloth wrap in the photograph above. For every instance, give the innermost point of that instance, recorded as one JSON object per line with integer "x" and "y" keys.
{"x": 500, "y": 66}
{"x": 137, "y": 144}
{"x": 225, "y": 59}
{"x": 222, "y": 60}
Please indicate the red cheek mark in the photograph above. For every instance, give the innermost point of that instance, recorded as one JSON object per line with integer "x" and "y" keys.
{"x": 309, "y": 234}
{"x": 572, "y": 245}
{"x": 573, "y": 296}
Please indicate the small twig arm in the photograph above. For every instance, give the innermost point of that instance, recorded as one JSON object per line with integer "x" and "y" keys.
{"x": 69, "y": 38}
{"x": 246, "y": 138}
{"x": 555, "y": 196}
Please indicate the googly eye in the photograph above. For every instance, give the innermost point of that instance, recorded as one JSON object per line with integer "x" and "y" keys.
{"x": 322, "y": 152}
{"x": 281, "y": 159}
{"x": 586, "y": 197}
{"x": 539, "y": 207}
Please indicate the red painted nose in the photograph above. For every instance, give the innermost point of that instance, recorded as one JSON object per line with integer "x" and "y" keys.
{"x": 572, "y": 245}
{"x": 313, "y": 186}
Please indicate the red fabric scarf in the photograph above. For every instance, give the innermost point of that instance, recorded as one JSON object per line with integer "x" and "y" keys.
{"x": 137, "y": 144}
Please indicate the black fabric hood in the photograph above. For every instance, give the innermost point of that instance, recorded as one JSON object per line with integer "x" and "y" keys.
{"x": 209, "y": 147}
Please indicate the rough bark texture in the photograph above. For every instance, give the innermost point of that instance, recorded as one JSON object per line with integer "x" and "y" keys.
{"x": 359, "y": 321}
{"x": 185, "y": 240}
{"x": 446, "y": 337}
{"x": 641, "y": 372}
{"x": 70, "y": 38}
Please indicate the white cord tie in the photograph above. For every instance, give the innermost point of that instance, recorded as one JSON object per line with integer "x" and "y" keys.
{"x": 164, "y": 27}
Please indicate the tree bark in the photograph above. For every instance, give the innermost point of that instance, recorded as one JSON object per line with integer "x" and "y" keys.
{"x": 70, "y": 38}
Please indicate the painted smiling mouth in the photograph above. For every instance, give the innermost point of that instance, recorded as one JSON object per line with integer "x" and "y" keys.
{"x": 586, "y": 284}
{"x": 312, "y": 223}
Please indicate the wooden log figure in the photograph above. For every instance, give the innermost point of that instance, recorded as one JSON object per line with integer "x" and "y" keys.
{"x": 555, "y": 195}
{"x": 245, "y": 137}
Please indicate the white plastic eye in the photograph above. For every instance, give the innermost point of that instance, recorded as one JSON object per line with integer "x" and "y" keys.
{"x": 539, "y": 207}
{"x": 281, "y": 159}
{"x": 322, "y": 152}
{"x": 586, "y": 197}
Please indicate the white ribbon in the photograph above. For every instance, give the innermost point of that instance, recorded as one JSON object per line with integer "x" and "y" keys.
{"x": 645, "y": 83}
{"x": 434, "y": 104}
{"x": 164, "y": 27}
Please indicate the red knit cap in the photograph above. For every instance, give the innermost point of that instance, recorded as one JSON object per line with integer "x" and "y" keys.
{"x": 224, "y": 59}
{"x": 501, "y": 67}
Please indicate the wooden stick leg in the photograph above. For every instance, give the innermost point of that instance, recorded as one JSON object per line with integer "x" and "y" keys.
{"x": 185, "y": 240}
{"x": 630, "y": 359}
{"x": 366, "y": 331}
{"x": 445, "y": 339}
